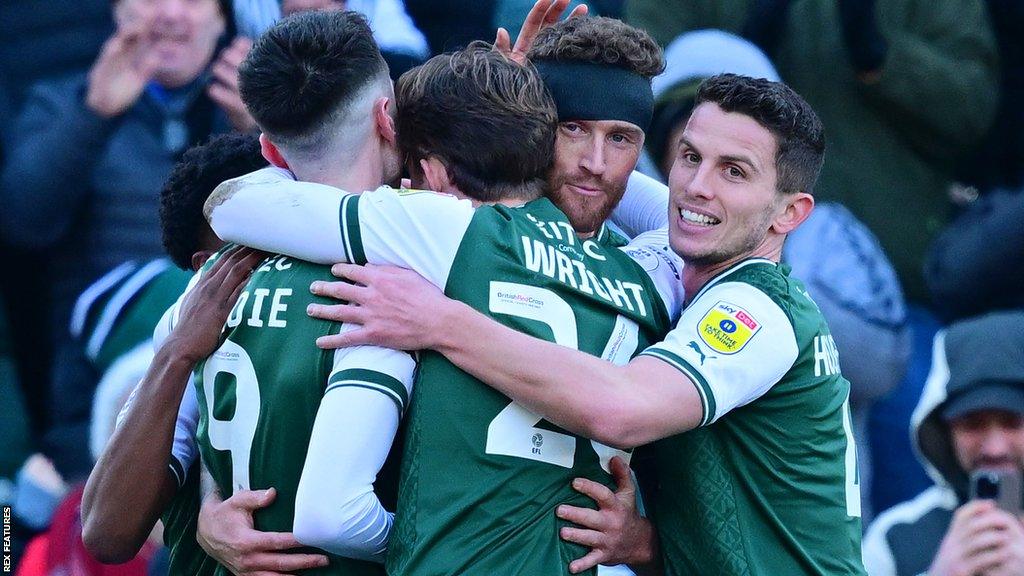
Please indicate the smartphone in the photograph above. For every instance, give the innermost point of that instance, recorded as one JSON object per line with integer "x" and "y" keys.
{"x": 1003, "y": 486}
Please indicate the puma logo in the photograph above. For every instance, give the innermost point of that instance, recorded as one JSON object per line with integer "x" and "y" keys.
{"x": 696, "y": 348}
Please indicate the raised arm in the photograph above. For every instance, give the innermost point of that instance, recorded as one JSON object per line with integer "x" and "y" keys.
{"x": 132, "y": 482}
{"x": 270, "y": 210}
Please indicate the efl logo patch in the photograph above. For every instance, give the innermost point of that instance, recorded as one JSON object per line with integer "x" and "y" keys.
{"x": 727, "y": 328}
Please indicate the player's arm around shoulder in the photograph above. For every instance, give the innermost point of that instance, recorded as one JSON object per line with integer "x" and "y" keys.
{"x": 419, "y": 230}
{"x": 733, "y": 343}
{"x": 270, "y": 210}
{"x": 622, "y": 406}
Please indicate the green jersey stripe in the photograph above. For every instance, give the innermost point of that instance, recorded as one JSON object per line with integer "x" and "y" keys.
{"x": 707, "y": 397}
{"x": 350, "y": 230}
{"x": 357, "y": 384}
{"x": 177, "y": 470}
{"x": 379, "y": 381}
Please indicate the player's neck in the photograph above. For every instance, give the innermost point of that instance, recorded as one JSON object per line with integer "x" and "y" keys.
{"x": 356, "y": 173}
{"x": 511, "y": 201}
{"x": 356, "y": 181}
{"x": 697, "y": 275}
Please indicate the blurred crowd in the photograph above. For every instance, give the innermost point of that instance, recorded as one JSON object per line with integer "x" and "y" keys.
{"x": 914, "y": 253}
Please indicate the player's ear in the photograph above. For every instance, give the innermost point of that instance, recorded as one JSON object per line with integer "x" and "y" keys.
{"x": 271, "y": 153}
{"x": 797, "y": 208}
{"x": 382, "y": 109}
{"x": 199, "y": 258}
{"x": 435, "y": 175}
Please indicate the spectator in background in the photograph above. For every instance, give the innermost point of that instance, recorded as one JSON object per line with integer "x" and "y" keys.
{"x": 976, "y": 264}
{"x": 401, "y": 43}
{"x": 971, "y": 416}
{"x": 835, "y": 255}
{"x": 42, "y": 39}
{"x": 452, "y": 24}
{"x": 48, "y": 39}
{"x": 88, "y": 157}
{"x": 999, "y": 162}
{"x": 905, "y": 89}
{"x": 689, "y": 59}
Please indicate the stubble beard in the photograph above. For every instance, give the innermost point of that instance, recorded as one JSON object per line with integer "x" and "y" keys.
{"x": 586, "y": 214}
{"x": 742, "y": 246}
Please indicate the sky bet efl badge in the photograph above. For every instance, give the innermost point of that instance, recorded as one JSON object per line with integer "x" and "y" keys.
{"x": 727, "y": 328}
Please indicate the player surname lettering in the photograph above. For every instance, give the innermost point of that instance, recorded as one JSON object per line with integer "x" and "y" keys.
{"x": 261, "y": 308}
{"x": 279, "y": 262}
{"x": 826, "y": 355}
{"x": 545, "y": 259}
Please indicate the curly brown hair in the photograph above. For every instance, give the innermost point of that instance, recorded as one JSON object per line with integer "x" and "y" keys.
{"x": 600, "y": 40}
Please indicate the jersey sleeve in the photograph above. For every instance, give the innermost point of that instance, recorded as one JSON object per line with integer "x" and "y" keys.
{"x": 734, "y": 342}
{"x": 271, "y": 211}
{"x": 644, "y": 206}
{"x": 335, "y": 506}
{"x": 389, "y": 372}
{"x": 665, "y": 268}
{"x": 414, "y": 229}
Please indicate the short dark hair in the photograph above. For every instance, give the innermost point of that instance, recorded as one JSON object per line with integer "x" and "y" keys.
{"x": 490, "y": 121}
{"x": 798, "y": 132}
{"x": 301, "y": 70}
{"x": 192, "y": 180}
{"x": 600, "y": 40}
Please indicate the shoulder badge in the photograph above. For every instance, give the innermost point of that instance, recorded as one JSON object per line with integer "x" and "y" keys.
{"x": 727, "y": 328}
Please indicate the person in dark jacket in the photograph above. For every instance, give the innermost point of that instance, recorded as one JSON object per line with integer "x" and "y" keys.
{"x": 87, "y": 158}
{"x": 966, "y": 271}
{"x": 970, "y": 417}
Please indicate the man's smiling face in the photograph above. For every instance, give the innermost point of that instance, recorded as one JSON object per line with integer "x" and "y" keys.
{"x": 723, "y": 195}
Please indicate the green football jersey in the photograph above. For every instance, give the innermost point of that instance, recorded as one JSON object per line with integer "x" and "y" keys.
{"x": 180, "y": 520}
{"x": 768, "y": 484}
{"x": 259, "y": 393}
{"x": 481, "y": 475}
